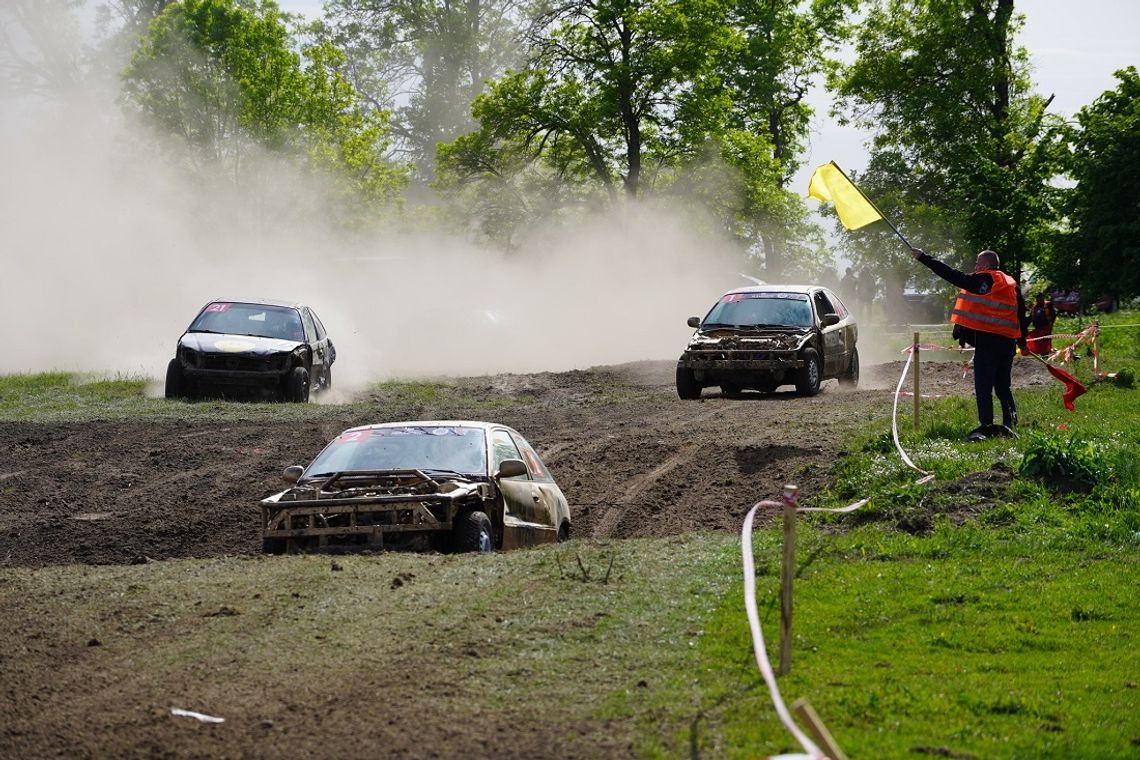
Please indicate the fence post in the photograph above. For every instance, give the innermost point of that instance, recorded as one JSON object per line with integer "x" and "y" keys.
{"x": 917, "y": 397}
{"x": 787, "y": 572}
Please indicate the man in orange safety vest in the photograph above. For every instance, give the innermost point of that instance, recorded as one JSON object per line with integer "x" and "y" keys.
{"x": 990, "y": 316}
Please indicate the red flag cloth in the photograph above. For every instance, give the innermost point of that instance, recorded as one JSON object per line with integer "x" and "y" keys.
{"x": 1073, "y": 388}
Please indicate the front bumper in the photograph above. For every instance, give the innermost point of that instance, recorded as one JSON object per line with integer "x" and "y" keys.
{"x": 720, "y": 359}
{"x": 230, "y": 370}
{"x": 366, "y": 519}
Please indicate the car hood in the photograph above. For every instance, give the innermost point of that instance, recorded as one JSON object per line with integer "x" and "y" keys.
{"x": 384, "y": 485}
{"x": 770, "y": 338}
{"x": 248, "y": 345}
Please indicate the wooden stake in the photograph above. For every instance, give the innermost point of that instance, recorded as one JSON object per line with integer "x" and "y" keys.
{"x": 818, "y": 731}
{"x": 787, "y": 573}
{"x": 917, "y": 398}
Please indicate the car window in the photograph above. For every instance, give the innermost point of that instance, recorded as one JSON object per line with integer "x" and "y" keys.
{"x": 823, "y": 304}
{"x": 530, "y": 456}
{"x": 768, "y": 308}
{"x": 427, "y": 447}
{"x": 249, "y": 319}
{"x": 503, "y": 447}
{"x": 321, "y": 331}
{"x": 840, "y": 309}
{"x": 310, "y": 328}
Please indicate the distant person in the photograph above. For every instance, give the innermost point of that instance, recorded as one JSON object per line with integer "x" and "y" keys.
{"x": 847, "y": 287}
{"x": 1042, "y": 316}
{"x": 865, "y": 293}
{"x": 990, "y": 316}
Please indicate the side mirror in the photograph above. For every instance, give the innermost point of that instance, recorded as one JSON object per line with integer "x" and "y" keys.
{"x": 829, "y": 320}
{"x": 693, "y": 322}
{"x": 510, "y": 468}
{"x": 293, "y": 473}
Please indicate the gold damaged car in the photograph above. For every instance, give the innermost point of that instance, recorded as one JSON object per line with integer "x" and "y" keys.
{"x": 456, "y": 486}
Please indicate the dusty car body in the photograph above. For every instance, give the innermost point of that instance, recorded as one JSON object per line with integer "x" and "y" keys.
{"x": 275, "y": 347}
{"x": 765, "y": 336}
{"x": 426, "y": 485}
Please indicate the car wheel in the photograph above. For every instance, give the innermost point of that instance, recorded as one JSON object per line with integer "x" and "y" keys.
{"x": 472, "y": 533}
{"x": 273, "y": 546}
{"x": 807, "y": 381}
{"x": 851, "y": 376}
{"x": 687, "y": 386}
{"x": 564, "y": 532}
{"x": 297, "y": 386}
{"x": 175, "y": 383}
{"x": 327, "y": 384}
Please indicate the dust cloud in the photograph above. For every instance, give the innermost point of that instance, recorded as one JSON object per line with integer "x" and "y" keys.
{"x": 110, "y": 248}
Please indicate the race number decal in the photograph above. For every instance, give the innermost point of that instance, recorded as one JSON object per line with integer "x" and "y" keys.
{"x": 216, "y": 307}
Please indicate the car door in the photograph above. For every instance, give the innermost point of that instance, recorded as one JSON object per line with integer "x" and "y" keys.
{"x": 551, "y": 503}
{"x": 319, "y": 347}
{"x": 522, "y": 498}
{"x": 836, "y": 354}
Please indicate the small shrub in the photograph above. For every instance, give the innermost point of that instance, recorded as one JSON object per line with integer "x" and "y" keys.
{"x": 1053, "y": 458}
{"x": 1125, "y": 378}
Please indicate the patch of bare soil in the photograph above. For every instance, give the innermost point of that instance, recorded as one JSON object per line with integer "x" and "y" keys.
{"x": 633, "y": 459}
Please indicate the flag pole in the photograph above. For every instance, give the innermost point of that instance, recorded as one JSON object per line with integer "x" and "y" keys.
{"x": 881, "y": 214}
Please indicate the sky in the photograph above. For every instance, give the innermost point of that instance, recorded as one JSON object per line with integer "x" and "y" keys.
{"x": 1074, "y": 47}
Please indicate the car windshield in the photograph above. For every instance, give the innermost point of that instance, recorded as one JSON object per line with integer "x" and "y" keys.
{"x": 262, "y": 321}
{"x": 434, "y": 447}
{"x": 752, "y": 309}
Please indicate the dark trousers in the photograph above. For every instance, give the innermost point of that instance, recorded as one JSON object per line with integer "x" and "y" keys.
{"x": 993, "y": 364}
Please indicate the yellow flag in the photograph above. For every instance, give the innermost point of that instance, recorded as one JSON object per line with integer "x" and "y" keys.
{"x": 829, "y": 183}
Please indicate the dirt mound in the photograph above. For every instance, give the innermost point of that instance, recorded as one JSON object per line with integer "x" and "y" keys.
{"x": 633, "y": 459}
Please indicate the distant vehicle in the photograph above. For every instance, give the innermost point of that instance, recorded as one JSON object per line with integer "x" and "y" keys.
{"x": 1069, "y": 302}
{"x": 447, "y": 486}
{"x": 765, "y": 336}
{"x": 274, "y": 347}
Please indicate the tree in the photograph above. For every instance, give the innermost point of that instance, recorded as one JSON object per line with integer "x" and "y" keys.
{"x": 426, "y": 61}
{"x": 1101, "y": 251}
{"x": 40, "y": 50}
{"x": 946, "y": 90}
{"x": 786, "y": 48}
{"x": 221, "y": 75}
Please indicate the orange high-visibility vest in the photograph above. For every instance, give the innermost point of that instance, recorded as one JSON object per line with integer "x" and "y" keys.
{"x": 995, "y": 312}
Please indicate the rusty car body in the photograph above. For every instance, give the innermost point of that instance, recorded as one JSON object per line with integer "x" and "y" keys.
{"x": 275, "y": 348}
{"x": 424, "y": 485}
{"x": 764, "y": 336}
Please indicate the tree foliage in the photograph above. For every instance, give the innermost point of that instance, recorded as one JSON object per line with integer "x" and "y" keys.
{"x": 1101, "y": 252}
{"x": 947, "y": 93}
{"x": 426, "y": 61}
{"x": 628, "y": 99}
{"x": 221, "y": 75}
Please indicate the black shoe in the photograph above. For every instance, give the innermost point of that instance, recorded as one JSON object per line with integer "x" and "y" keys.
{"x": 1003, "y": 431}
{"x": 978, "y": 433}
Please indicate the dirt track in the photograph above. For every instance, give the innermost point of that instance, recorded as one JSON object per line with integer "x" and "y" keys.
{"x": 645, "y": 465}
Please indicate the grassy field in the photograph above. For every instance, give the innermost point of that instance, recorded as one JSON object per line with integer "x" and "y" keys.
{"x": 990, "y": 614}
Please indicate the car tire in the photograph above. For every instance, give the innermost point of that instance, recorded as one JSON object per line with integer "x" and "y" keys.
{"x": 808, "y": 377}
{"x": 851, "y": 376}
{"x": 564, "y": 532}
{"x": 297, "y": 386}
{"x": 327, "y": 384}
{"x": 175, "y": 381}
{"x": 687, "y": 386}
{"x": 472, "y": 533}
